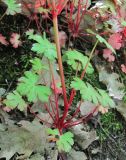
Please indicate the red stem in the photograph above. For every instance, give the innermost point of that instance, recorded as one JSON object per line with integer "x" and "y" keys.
{"x": 46, "y": 107}
{"x": 76, "y": 112}
{"x": 52, "y": 107}
{"x": 56, "y": 100}
{"x": 81, "y": 120}
{"x": 41, "y": 120}
{"x": 55, "y": 23}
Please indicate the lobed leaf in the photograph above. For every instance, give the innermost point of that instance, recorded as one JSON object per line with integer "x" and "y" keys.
{"x": 14, "y": 100}
{"x": 37, "y": 65}
{"x": 28, "y": 87}
{"x": 42, "y": 45}
{"x": 65, "y": 140}
{"x": 89, "y": 93}
{"x": 12, "y": 7}
{"x": 78, "y": 61}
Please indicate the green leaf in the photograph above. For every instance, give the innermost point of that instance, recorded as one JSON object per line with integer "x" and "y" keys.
{"x": 37, "y": 65}
{"x": 78, "y": 61}
{"x": 65, "y": 140}
{"x": 89, "y": 93}
{"x": 102, "y": 40}
{"x": 42, "y": 45}
{"x": 110, "y": 4}
{"x": 28, "y": 87}
{"x": 14, "y": 100}
{"x": 105, "y": 100}
{"x": 123, "y": 23}
{"x": 53, "y": 131}
{"x": 30, "y": 33}
{"x": 12, "y": 7}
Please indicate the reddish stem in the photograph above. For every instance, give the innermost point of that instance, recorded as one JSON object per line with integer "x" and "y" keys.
{"x": 55, "y": 96}
{"x": 81, "y": 120}
{"x": 76, "y": 112}
{"x": 47, "y": 109}
{"x": 41, "y": 120}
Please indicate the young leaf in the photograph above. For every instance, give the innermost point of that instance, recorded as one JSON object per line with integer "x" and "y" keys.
{"x": 42, "y": 45}
{"x": 12, "y": 7}
{"x": 107, "y": 54}
{"x": 37, "y": 65}
{"x": 115, "y": 40}
{"x": 53, "y": 131}
{"x": 28, "y": 86}
{"x": 14, "y": 100}
{"x": 123, "y": 68}
{"x": 30, "y": 32}
{"x": 65, "y": 140}
{"x": 3, "y": 40}
{"x": 89, "y": 93}
{"x": 77, "y": 60}
{"x": 102, "y": 40}
{"x": 14, "y": 40}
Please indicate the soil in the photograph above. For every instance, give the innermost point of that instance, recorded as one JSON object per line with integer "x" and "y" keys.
{"x": 13, "y": 62}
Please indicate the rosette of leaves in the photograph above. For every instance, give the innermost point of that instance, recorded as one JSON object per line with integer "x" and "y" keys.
{"x": 12, "y": 7}
{"x": 42, "y": 45}
{"x": 89, "y": 93}
{"x": 77, "y": 61}
{"x": 64, "y": 142}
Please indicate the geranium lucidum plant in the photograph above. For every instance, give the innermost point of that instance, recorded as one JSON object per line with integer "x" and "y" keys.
{"x": 33, "y": 86}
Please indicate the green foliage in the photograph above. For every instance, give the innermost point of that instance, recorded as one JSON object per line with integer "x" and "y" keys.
{"x": 102, "y": 40}
{"x": 89, "y": 93}
{"x": 30, "y": 88}
{"x": 37, "y": 65}
{"x": 110, "y": 124}
{"x": 53, "y": 131}
{"x": 78, "y": 61}
{"x": 65, "y": 140}
{"x": 42, "y": 45}
{"x": 12, "y": 7}
{"x": 14, "y": 100}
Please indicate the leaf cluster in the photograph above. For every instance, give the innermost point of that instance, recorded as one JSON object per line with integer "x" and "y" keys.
{"x": 89, "y": 93}
{"x": 42, "y": 45}
{"x": 77, "y": 61}
{"x": 29, "y": 87}
{"x": 12, "y": 7}
{"x": 65, "y": 140}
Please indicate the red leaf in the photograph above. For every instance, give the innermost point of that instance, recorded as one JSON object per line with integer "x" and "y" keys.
{"x": 14, "y": 40}
{"x": 123, "y": 68}
{"x": 115, "y": 40}
{"x": 3, "y": 40}
{"x": 107, "y": 54}
{"x": 7, "y": 109}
